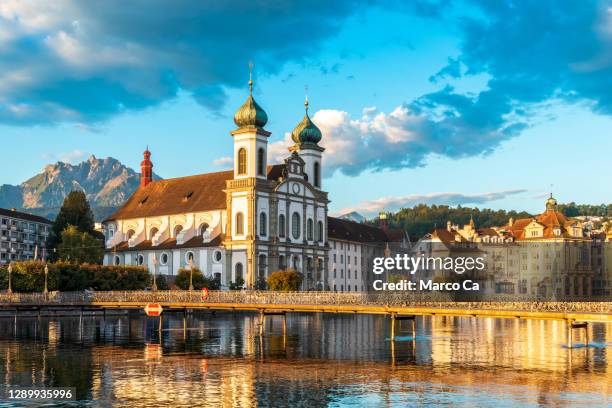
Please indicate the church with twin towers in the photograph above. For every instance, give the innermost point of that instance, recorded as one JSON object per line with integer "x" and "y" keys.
{"x": 245, "y": 223}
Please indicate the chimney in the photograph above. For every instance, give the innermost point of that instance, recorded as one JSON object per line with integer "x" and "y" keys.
{"x": 146, "y": 169}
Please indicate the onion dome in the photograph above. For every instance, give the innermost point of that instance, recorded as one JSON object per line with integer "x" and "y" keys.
{"x": 551, "y": 203}
{"x": 250, "y": 114}
{"x": 306, "y": 132}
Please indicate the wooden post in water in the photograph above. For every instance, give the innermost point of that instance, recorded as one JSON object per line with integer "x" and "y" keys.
{"x": 262, "y": 321}
{"x": 184, "y": 324}
{"x": 569, "y": 333}
{"x": 81, "y": 324}
{"x": 392, "y": 326}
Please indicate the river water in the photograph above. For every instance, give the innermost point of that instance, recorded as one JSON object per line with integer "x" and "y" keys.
{"x": 314, "y": 360}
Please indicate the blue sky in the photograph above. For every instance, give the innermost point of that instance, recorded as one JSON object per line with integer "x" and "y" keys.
{"x": 476, "y": 103}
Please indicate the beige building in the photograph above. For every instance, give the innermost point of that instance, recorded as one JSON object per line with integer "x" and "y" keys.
{"x": 546, "y": 256}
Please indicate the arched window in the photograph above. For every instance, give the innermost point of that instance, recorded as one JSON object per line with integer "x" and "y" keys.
{"x": 320, "y": 231}
{"x": 239, "y": 271}
{"x": 153, "y": 232}
{"x": 262, "y": 265}
{"x": 296, "y": 262}
{"x": 117, "y": 260}
{"x": 263, "y": 225}
{"x": 140, "y": 259}
{"x": 242, "y": 161}
{"x": 177, "y": 230}
{"x": 261, "y": 162}
{"x": 309, "y": 227}
{"x": 281, "y": 262}
{"x": 281, "y": 226}
{"x": 239, "y": 223}
{"x": 317, "y": 174}
{"x": 295, "y": 225}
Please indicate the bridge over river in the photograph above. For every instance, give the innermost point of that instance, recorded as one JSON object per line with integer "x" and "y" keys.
{"x": 398, "y": 306}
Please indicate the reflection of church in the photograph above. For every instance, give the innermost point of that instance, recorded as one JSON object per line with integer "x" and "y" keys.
{"x": 245, "y": 222}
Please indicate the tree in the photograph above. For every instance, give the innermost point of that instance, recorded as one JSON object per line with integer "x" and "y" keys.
{"x": 261, "y": 283}
{"x": 199, "y": 280}
{"x": 79, "y": 247}
{"x": 75, "y": 211}
{"x": 287, "y": 280}
{"x": 237, "y": 285}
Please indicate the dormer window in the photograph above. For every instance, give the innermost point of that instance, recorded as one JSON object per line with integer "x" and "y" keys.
{"x": 557, "y": 231}
{"x": 187, "y": 196}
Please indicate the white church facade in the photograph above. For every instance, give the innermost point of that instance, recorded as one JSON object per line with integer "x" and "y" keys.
{"x": 243, "y": 223}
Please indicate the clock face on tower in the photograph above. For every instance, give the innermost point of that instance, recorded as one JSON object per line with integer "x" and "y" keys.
{"x": 296, "y": 188}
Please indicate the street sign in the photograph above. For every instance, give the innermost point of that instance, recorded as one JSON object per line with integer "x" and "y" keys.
{"x": 153, "y": 309}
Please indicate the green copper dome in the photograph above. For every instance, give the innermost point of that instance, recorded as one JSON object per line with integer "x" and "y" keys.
{"x": 250, "y": 113}
{"x": 306, "y": 132}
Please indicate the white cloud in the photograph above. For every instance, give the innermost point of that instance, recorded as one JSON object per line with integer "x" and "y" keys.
{"x": 370, "y": 207}
{"x": 385, "y": 140}
{"x": 73, "y": 156}
{"x": 223, "y": 161}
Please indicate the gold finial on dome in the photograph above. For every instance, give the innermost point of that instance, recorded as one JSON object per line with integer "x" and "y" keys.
{"x": 251, "y": 77}
{"x": 306, "y": 132}
{"x": 250, "y": 114}
{"x": 551, "y": 203}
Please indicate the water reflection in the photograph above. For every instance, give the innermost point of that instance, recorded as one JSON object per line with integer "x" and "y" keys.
{"x": 315, "y": 360}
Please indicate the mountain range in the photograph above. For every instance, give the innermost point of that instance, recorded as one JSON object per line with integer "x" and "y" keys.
{"x": 107, "y": 183}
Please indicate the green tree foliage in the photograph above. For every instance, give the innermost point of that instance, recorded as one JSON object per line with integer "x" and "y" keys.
{"x": 75, "y": 211}
{"x": 237, "y": 285}
{"x": 287, "y": 280}
{"x": 80, "y": 247}
{"x": 199, "y": 280}
{"x": 573, "y": 210}
{"x": 261, "y": 283}
{"x": 30, "y": 277}
{"x": 422, "y": 219}
{"x": 160, "y": 281}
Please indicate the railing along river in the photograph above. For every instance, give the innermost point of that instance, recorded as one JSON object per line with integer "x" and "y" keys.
{"x": 323, "y": 299}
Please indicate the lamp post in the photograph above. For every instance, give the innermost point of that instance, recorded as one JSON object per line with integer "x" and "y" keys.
{"x": 46, "y": 278}
{"x": 190, "y": 274}
{"x": 154, "y": 272}
{"x": 10, "y": 273}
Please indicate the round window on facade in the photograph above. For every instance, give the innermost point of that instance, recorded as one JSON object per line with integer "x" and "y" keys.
{"x": 217, "y": 256}
{"x": 117, "y": 260}
{"x": 189, "y": 256}
{"x": 140, "y": 259}
{"x": 164, "y": 259}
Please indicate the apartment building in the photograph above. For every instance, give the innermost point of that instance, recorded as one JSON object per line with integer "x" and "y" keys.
{"x": 23, "y": 236}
